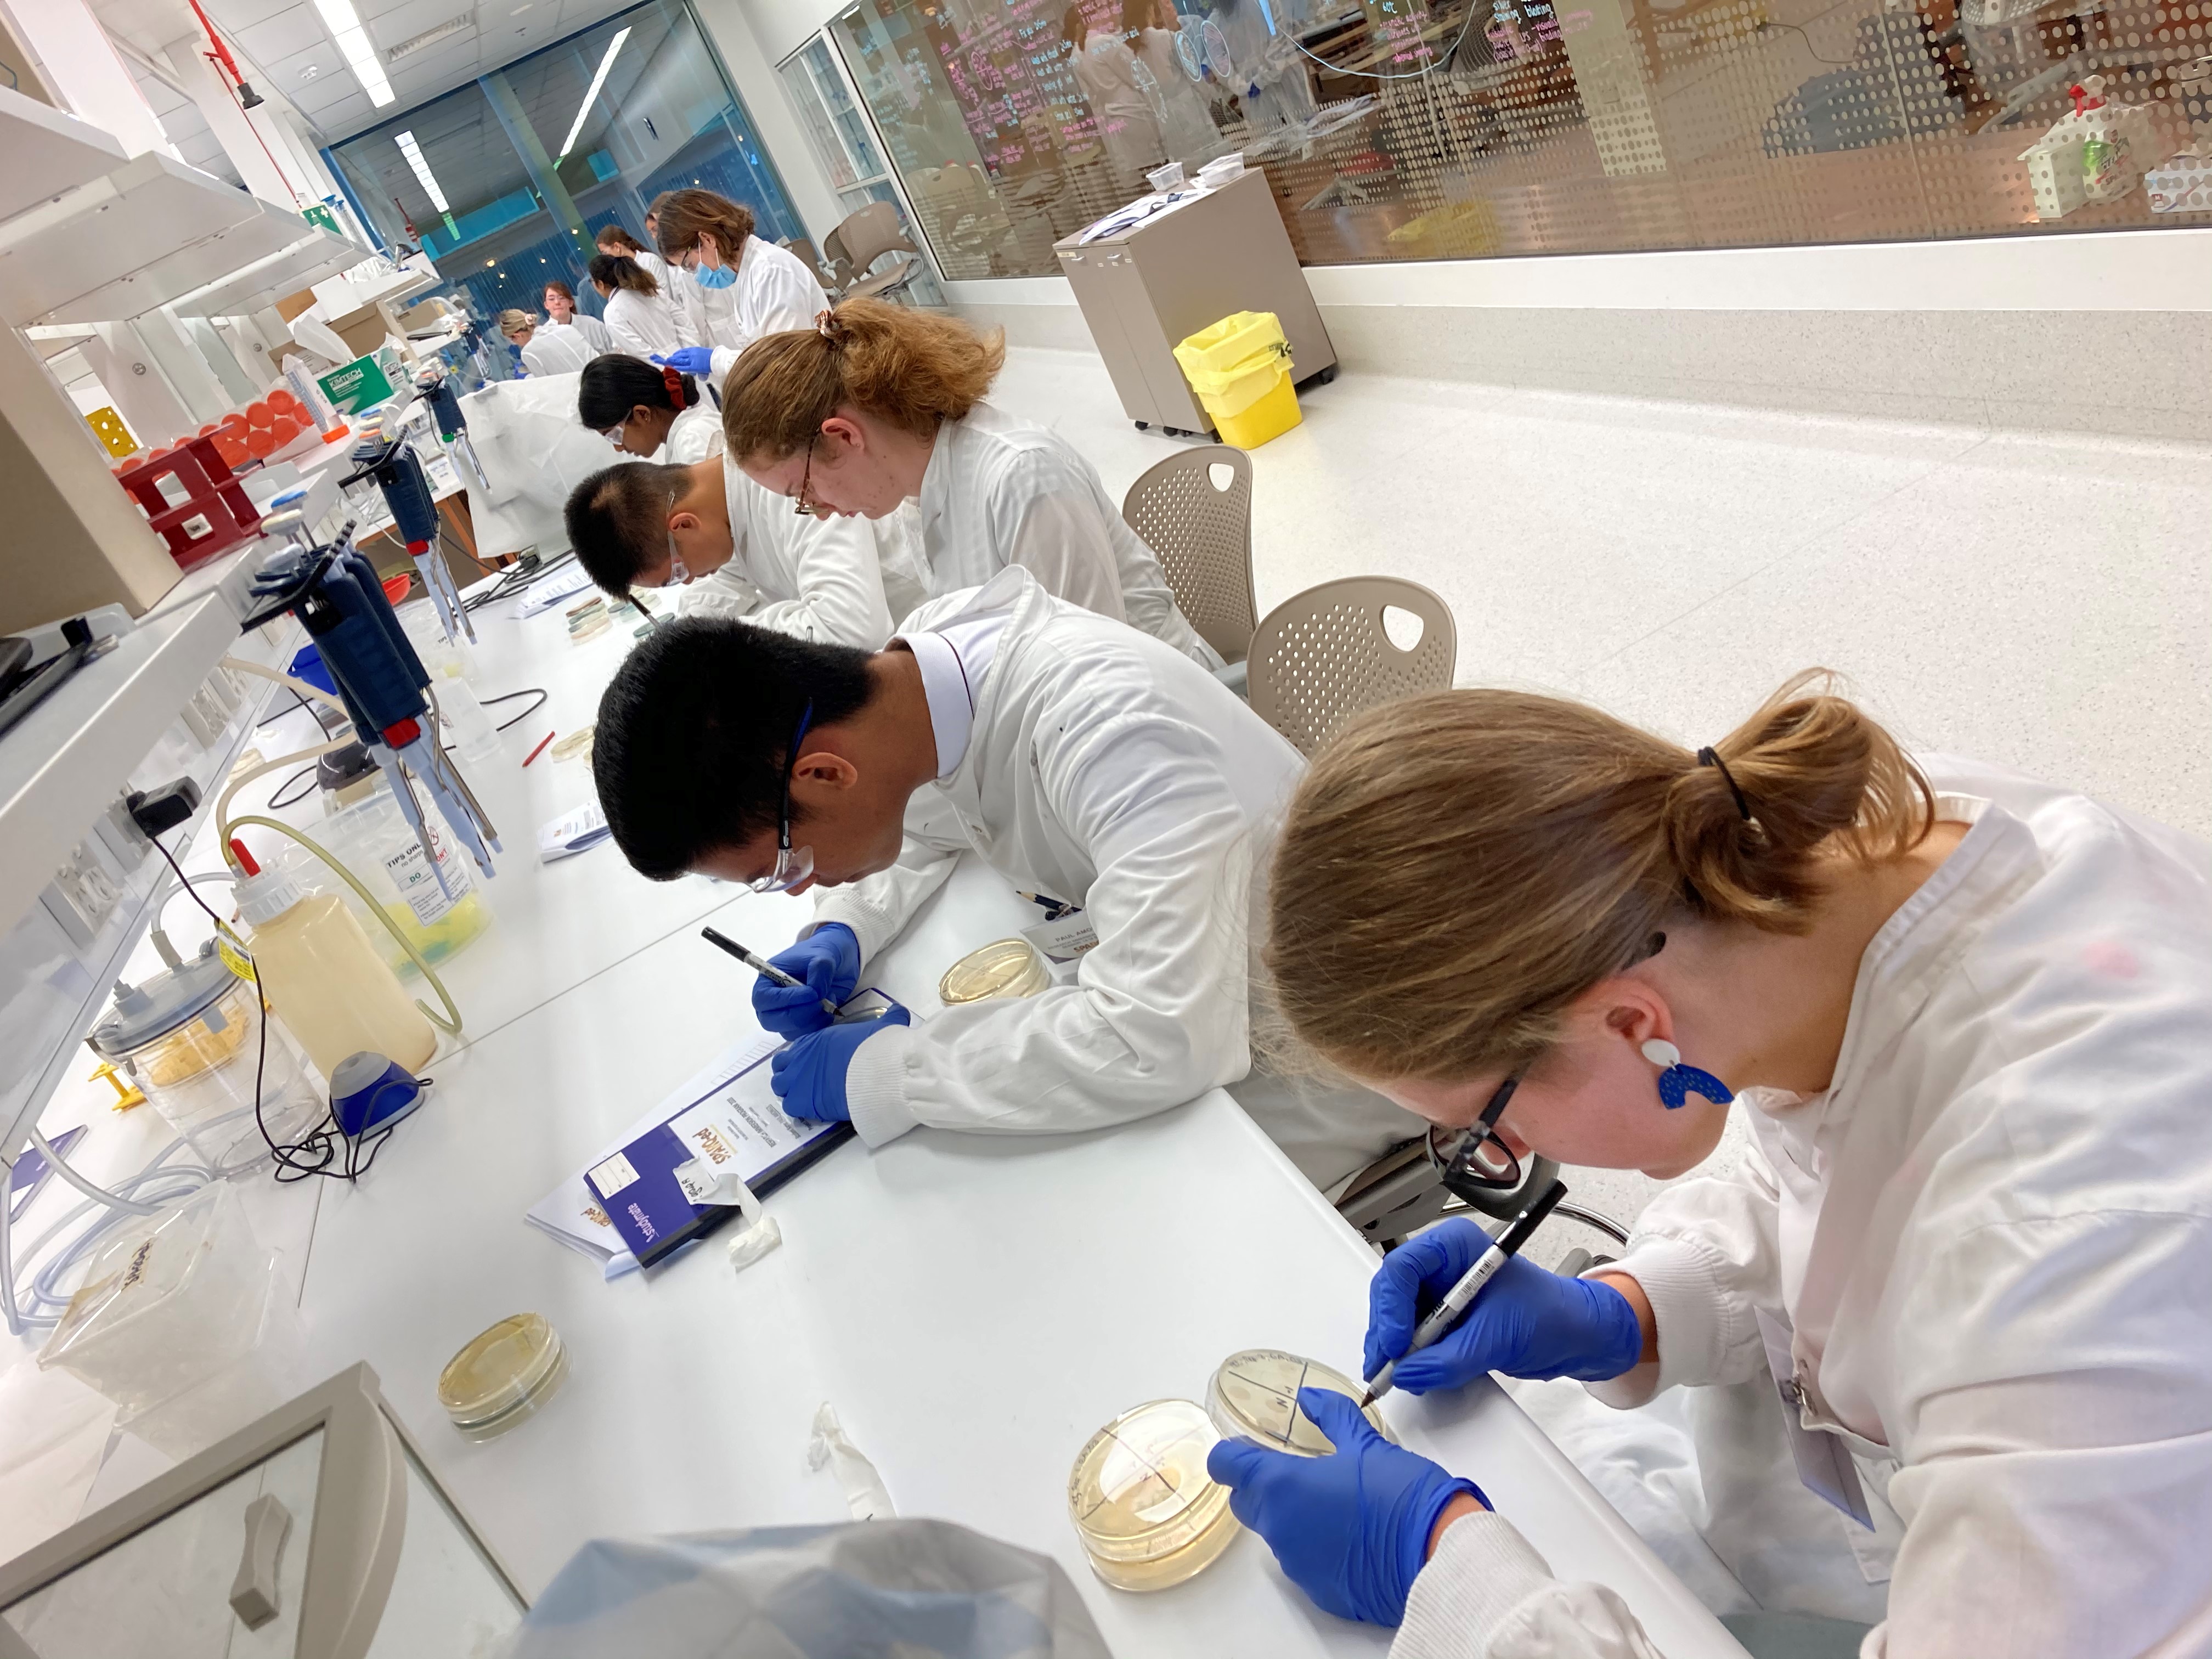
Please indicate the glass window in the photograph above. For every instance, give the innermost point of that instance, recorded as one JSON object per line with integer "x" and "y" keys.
{"x": 1406, "y": 130}
{"x": 530, "y": 160}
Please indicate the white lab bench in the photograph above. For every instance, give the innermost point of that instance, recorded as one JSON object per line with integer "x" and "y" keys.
{"x": 974, "y": 1306}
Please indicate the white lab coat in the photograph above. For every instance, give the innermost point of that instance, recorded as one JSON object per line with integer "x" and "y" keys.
{"x": 1185, "y": 128}
{"x": 774, "y": 294}
{"x": 1992, "y": 1239}
{"x": 693, "y": 435}
{"x": 557, "y": 351}
{"x": 999, "y": 492}
{"x": 818, "y": 579}
{"x": 590, "y": 329}
{"x": 643, "y": 325}
{"x": 1106, "y": 70}
{"x": 1111, "y": 773}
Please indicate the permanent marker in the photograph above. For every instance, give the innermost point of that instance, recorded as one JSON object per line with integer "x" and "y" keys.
{"x": 764, "y": 968}
{"x": 1446, "y": 1314}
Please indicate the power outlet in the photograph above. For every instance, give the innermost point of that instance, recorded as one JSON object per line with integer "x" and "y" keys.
{"x": 83, "y": 893}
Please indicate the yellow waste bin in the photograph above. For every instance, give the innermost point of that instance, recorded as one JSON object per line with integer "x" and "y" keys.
{"x": 1241, "y": 370}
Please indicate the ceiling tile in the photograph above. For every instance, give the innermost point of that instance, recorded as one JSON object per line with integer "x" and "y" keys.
{"x": 411, "y": 17}
{"x": 234, "y": 15}
{"x": 286, "y": 35}
{"x": 290, "y": 75}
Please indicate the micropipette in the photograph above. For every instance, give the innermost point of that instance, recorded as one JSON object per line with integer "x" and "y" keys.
{"x": 763, "y": 967}
{"x": 1460, "y": 1296}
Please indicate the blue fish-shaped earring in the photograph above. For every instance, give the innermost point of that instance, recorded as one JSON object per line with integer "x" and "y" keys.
{"x": 1678, "y": 1082}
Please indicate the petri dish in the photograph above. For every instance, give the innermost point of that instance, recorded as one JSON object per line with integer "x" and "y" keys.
{"x": 1005, "y": 967}
{"x": 502, "y": 1376}
{"x": 1147, "y": 1511}
{"x": 1254, "y": 1396}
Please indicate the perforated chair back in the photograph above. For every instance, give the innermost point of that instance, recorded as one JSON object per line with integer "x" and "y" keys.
{"x": 1194, "y": 510}
{"x": 1322, "y": 656}
{"x": 867, "y": 236}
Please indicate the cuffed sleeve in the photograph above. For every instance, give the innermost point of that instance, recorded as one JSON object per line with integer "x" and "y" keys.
{"x": 1486, "y": 1593}
{"x": 819, "y": 578}
{"x": 875, "y": 1090}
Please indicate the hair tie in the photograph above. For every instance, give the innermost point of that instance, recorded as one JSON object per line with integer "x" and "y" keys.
{"x": 826, "y": 323}
{"x": 674, "y": 381}
{"x": 1710, "y": 757}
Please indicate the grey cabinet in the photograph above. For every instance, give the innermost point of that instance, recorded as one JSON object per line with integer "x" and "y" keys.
{"x": 1142, "y": 290}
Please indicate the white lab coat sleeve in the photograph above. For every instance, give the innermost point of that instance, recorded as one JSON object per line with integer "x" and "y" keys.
{"x": 878, "y": 907}
{"x": 1047, "y": 523}
{"x": 1705, "y": 1254}
{"x": 820, "y": 578}
{"x": 2055, "y": 1439}
{"x": 787, "y": 295}
{"x": 723, "y": 593}
{"x": 1486, "y": 1593}
{"x": 1157, "y": 1013}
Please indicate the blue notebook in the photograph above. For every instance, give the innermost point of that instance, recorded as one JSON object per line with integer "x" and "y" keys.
{"x": 659, "y": 1191}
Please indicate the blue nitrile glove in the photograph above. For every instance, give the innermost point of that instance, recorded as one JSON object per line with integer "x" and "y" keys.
{"x": 809, "y": 1076}
{"x": 1525, "y": 1321}
{"x": 1351, "y": 1529}
{"x": 828, "y": 960}
{"x": 689, "y": 360}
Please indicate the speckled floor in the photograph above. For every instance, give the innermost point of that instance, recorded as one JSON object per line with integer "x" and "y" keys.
{"x": 2041, "y": 601}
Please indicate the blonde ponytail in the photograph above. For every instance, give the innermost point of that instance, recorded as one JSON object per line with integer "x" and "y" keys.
{"x": 1455, "y": 869}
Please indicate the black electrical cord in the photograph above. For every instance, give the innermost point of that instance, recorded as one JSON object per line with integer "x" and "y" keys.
{"x": 279, "y": 799}
{"x": 282, "y": 713}
{"x": 514, "y": 582}
{"x": 538, "y": 691}
{"x": 318, "y": 1143}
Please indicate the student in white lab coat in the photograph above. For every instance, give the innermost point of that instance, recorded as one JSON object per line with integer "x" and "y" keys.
{"x": 1124, "y": 120}
{"x": 656, "y": 414}
{"x": 1966, "y": 1018}
{"x": 1085, "y": 761}
{"x": 1152, "y": 27}
{"x": 876, "y": 404}
{"x": 613, "y": 239}
{"x": 737, "y": 288}
{"x": 736, "y": 550}
{"x": 639, "y": 315}
{"x": 546, "y": 350}
{"x": 560, "y": 303}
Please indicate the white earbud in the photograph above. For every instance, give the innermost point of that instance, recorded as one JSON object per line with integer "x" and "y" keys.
{"x": 1662, "y": 1053}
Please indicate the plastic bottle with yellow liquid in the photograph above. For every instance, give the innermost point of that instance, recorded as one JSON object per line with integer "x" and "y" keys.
{"x": 327, "y": 983}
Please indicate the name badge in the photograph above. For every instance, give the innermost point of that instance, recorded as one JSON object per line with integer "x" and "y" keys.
{"x": 1063, "y": 939}
{"x": 1824, "y": 1462}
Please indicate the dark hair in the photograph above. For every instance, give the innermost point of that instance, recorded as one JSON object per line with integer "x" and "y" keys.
{"x": 680, "y": 216}
{"x": 620, "y": 271}
{"x": 1072, "y": 25}
{"x": 618, "y": 519}
{"x": 614, "y": 384}
{"x": 692, "y": 749}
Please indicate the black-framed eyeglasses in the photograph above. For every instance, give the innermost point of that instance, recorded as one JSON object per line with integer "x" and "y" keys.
{"x": 799, "y": 504}
{"x": 790, "y": 867}
{"x": 1481, "y": 1162}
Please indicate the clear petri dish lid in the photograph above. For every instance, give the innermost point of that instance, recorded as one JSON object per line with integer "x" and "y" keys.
{"x": 1254, "y": 1396}
{"x": 1005, "y": 967}
{"x": 1140, "y": 1496}
{"x": 502, "y": 1376}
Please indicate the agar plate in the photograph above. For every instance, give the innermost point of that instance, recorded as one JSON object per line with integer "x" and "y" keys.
{"x": 503, "y": 1375}
{"x": 1005, "y": 967}
{"x": 1148, "y": 1514}
{"x": 1254, "y": 1396}
{"x": 577, "y": 742}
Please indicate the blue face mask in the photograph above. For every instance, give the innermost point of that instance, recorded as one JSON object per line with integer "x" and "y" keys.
{"x": 715, "y": 276}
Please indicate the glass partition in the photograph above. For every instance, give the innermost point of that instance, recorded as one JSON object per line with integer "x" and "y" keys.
{"x": 1408, "y": 130}
{"x": 506, "y": 181}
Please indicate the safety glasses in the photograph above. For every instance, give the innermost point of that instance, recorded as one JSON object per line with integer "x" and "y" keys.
{"x": 799, "y": 504}
{"x": 790, "y": 867}
{"x": 1480, "y": 1162}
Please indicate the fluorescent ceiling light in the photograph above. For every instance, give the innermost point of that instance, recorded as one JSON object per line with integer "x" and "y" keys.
{"x": 344, "y": 25}
{"x": 590, "y": 96}
{"x": 428, "y": 180}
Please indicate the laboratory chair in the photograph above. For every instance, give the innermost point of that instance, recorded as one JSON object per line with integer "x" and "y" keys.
{"x": 859, "y": 241}
{"x": 1194, "y": 510}
{"x": 1321, "y": 657}
{"x": 802, "y": 250}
